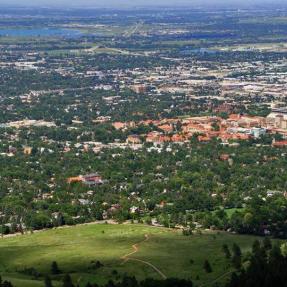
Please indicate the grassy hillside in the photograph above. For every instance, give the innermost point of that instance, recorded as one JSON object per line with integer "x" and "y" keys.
{"x": 137, "y": 250}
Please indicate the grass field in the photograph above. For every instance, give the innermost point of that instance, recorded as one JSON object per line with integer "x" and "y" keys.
{"x": 153, "y": 252}
{"x": 264, "y": 47}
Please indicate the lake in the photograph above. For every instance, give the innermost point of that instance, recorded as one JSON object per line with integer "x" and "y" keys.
{"x": 186, "y": 51}
{"x": 42, "y": 32}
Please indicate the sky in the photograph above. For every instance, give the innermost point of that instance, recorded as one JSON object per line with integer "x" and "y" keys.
{"x": 133, "y": 3}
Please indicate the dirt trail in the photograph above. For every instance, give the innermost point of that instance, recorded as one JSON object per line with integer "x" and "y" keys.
{"x": 135, "y": 247}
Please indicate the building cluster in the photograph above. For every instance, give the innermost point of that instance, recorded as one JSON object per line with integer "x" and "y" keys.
{"x": 235, "y": 127}
{"x": 277, "y": 119}
{"x": 27, "y": 123}
{"x": 178, "y": 130}
{"x": 225, "y": 80}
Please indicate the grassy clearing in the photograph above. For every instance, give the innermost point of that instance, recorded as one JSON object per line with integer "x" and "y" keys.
{"x": 75, "y": 247}
{"x": 231, "y": 211}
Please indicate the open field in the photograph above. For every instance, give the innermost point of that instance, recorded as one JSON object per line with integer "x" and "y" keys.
{"x": 263, "y": 47}
{"x": 137, "y": 250}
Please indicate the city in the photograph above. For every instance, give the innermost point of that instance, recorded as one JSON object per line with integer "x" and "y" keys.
{"x": 143, "y": 145}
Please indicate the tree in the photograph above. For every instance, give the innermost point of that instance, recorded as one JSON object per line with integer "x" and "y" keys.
{"x": 67, "y": 281}
{"x": 236, "y": 250}
{"x": 129, "y": 282}
{"x": 275, "y": 255}
{"x": 267, "y": 243}
{"x": 54, "y": 268}
{"x": 110, "y": 284}
{"x": 226, "y": 251}
{"x": 256, "y": 247}
{"x": 283, "y": 249}
{"x": 48, "y": 282}
{"x": 236, "y": 258}
{"x": 207, "y": 266}
{"x": 264, "y": 269}
{"x": 6, "y": 284}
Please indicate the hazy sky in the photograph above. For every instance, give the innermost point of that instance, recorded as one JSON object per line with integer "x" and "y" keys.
{"x": 131, "y": 3}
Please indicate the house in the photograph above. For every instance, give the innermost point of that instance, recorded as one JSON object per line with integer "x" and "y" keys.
{"x": 27, "y": 150}
{"x": 152, "y": 137}
{"x": 114, "y": 208}
{"x": 90, "y": 179}
{"x": 224, "y": 157}
{"x": 177, "y": 138}
{"x": 123, "y": 125}
{"x": 277, "y": 118}
{"x": 279, "y": 143}
{"x": 133, "y": 139}
{"x": 134, "y": 209}
{"x": 258, "y": 132}
{"x": 223, "y": 108}
{"x": 203, "y": 138}
{"x": 119, "y": 125}
{"x": 84, "y": 201}
{"x": 139, "y": 89}
{"x": 271, "y": 193}
{"x": 12, "y": 150}
{"x": 166, "y": 128}
{"x": 74, "y": 179}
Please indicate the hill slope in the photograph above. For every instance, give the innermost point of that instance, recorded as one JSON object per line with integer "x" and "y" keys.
{"x": 137, "y": 250}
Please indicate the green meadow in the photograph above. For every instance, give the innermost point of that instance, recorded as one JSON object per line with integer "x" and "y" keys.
{"x": 130, "y": 249}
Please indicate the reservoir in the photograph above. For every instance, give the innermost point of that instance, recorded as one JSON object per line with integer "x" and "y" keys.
{"x": 40, "y": 32}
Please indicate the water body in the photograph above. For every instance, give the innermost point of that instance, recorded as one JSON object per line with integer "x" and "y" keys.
{"x": 40, "y": 32}
{"x": 198, "y": 51}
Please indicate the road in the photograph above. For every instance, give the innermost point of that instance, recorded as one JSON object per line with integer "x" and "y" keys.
{"x": 129, "y": 33}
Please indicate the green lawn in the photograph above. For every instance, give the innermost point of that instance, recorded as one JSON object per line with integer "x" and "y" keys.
{"x": 75, "y": 247}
